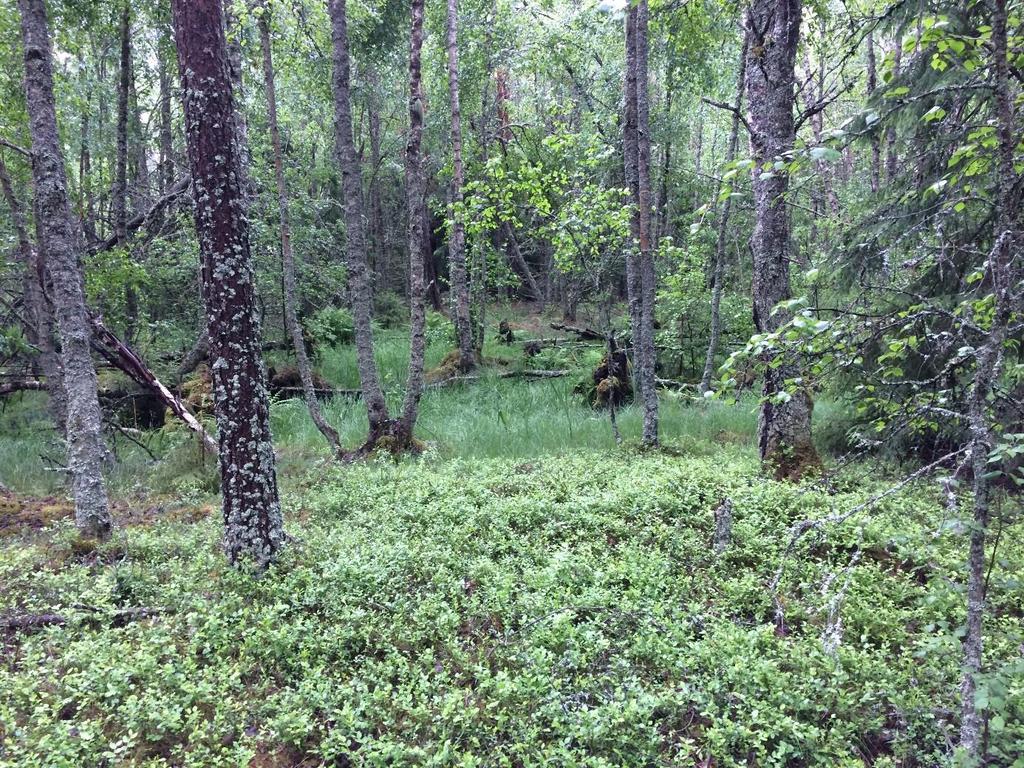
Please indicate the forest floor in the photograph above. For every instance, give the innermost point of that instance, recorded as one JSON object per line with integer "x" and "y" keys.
{"x": 526, "y": 593}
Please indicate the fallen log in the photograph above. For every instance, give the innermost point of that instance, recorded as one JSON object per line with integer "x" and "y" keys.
{"x": 584, "y": 333}
{"x": 322, "y": 391}
{"x": 529, "y": 375}
{"x": 11, "y": 386}
{"x": 122, "y": 357}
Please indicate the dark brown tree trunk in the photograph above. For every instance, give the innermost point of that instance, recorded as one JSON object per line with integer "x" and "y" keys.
{"x": 784, "y": 425}
{"x": 415, "y": 190}
{"x": 457, "y": 236}
{"x": 252, "y": 511}
{"x": 59, "y": 242}
{"x": 119, "y": 200}
{"x": 718, "y": 273}
{"x": 355, "y": 238}
{"x": 1006, "y": 277}
{"x": 291, "y": 291}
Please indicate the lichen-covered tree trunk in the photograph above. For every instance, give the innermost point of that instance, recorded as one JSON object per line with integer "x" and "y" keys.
{"x": 355, "y": 237}
{"x": 1006, "y": 281}
{"x": 291, "y": 291}
{"x": 252, "y": 511}
{"x": 59, "y": 241}
{"x": 457, "y": 238}
{"x": 718, "y": 273}
{"x": 648, "y": 278}
{"x": 415, "y": 191}
{"x": 784, "y": 424}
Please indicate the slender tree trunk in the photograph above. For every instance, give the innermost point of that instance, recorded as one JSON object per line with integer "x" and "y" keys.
{"x": 415, "y": 190}
{"x": 38, "y": 316}
{"x": 648, "y": 278}
{"x": 630, "y": 155}
{"x": 378, "y": 232}
{"x": 640, "y": 277}
{"x": 232, "y": 32}
{"x": 891, "y": 156}
{"x": 87, "y": 206}
{"x": 140, "y": 171}
{"x": 661, "y": 228}
{"x": 876, "y": 144}
{"x": 457, "y": 238}
{"x": 515, "y": 255}
{"x": 60, "y": 244}
{"x": 41, "y": 311}
{"x": 1006, "y": 278}
{"x": 355, "y": 238}
{"x": 291, "y": 291}
{"x": 119, "y": 201}
{"x": 784, "y": 425}
{"x": 718, "y": 274}
{"x": 252, "y": 511}
{"x": 166, "y": 172}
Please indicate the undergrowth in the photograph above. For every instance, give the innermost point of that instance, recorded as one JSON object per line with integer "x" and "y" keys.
{"x": 565, "y": 611}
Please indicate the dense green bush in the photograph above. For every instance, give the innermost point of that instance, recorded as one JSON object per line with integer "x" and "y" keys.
{"x": 558, "y": 612}
{"x": 330, "y": 327}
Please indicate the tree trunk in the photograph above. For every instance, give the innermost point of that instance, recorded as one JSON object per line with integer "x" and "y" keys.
{"x": 166, "y": 123}
{"x": 661, "y": 228}
{"x": 415, "y": 190}
{"x": 515, "y": 255}
{"x": 232, "y": 32}
{"x": 639, "y": 255}
{"x": 355, "y": 239}
{"x": 648, "y": 278}
{"x": 60, "y": 244}
{"x": 41, "y": 311}
{"x": 1005, "y": 277}
{"x": 291, "y": 291}
{"x": 784, "y": 426}
{"x": 457, "y": 238}
{"x": 891, "y": 156}
{"x": 119, "y": 200}
{"x": 718, "y": 273}
{"x": 876, "y": 145}
{"x": 630, "y": 155}
{"x": 252, "y": 511}
{"x": 378, "y": 233}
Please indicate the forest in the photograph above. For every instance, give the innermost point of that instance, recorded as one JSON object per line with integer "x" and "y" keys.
{"x": 512, "y": 383}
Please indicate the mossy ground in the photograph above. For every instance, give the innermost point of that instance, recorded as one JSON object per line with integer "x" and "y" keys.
{"x": 560, "y": 611}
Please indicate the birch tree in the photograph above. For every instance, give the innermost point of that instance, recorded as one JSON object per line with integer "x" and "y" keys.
{"x": 59, "y": 240}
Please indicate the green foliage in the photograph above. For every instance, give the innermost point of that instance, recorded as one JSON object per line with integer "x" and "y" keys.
{"x": 330, "y": 327}
{"x": 420, "y": 610}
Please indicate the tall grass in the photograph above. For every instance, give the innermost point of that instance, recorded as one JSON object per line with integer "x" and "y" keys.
{"x": 490, "y": 417}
